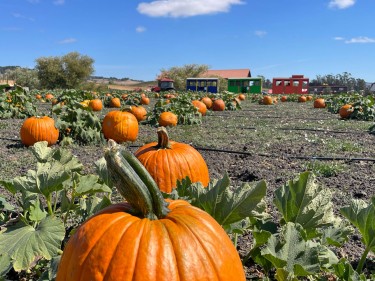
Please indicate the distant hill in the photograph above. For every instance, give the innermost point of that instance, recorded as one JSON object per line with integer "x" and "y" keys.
{"x": 5, "y": 68}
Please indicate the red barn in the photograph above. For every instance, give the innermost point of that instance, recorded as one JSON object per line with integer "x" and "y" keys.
{"x": 297, "y": 84}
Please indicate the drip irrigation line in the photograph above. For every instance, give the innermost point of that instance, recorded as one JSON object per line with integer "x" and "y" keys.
{"x": 268, "y": 117}
{"x": 322, "y": 130}
{"x": 10, "y": 139}
{"x": 323, "y": 158}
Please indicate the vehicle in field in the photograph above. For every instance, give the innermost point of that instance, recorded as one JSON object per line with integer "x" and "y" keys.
{"x": 297, "y": 84}
{"x": 164, "y": 84}
{"x": 202, "y": 84}
{"x": 249, "y": 85}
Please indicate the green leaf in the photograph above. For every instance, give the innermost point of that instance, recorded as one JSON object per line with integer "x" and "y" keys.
{"x": 50, "y": 177}
{"x": 92, "y": 205}
{"x": 9, "y": 185}
{"x": 302, "y": 201}
{"x": 41, "y": 151}
{"x": 5, "y": 264}
{"x": 362, "y": 216}
{"x": 289, "y": 251}
{"x": 4, "y": 205}
{"x": 337, "y": 234}
{"x": 24, "y": 243}
{"x": 52, "y": 267}
{"x": 227, "y": 206}
{"x": 89, "y": 185}
{"x": 36, "y": 213}
{"x": 345, "y": 272}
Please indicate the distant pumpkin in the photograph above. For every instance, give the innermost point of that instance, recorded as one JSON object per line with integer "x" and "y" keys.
{"x": 207, "y": 101}
{"x": 218, "y": 105}
{"x": 319, "y": 103}
{"x": 202, "y": 108}
{"x": 121, "y": 126}
{"x": 168, "y": 119}
{"x": 267, "y": 100}
{"x": 346, "y": 110}
{"x": 37, "y": 128}
{"x": 115, "y": 102}
{"x": 96, "y": 104}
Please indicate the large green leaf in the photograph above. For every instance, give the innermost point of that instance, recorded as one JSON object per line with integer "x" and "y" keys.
{"x": 302, "y": 201}
{"x": 24, "y": 243}
{"x": 289, "y": 251}
{"x": 362, "y": 215}
{"x": 41, "y": 151}
{"x": 89, "y": 185}
{"x": 345, "y": 272}
{"x": 50, "y": 177}
{"x": 5, "y": 264}
{"x": 223, "y": 203}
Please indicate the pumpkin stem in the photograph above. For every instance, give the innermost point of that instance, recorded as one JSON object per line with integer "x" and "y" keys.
{"x": 163, "y": 138}
{"x": 134, "y": 182}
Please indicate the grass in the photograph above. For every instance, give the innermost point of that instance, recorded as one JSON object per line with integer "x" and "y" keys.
{"x": 325, "y": 169}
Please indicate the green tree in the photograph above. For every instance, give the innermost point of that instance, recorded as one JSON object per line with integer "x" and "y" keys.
{"x": 68, "y": 71}
{"x": 179, "y": 74}
{"x": 23, "y": 76}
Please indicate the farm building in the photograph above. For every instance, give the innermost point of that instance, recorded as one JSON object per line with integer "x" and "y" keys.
{"x": 297, "y": 84}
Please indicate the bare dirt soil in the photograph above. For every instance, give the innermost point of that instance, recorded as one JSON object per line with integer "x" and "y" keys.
{"x": 274, "y": 143}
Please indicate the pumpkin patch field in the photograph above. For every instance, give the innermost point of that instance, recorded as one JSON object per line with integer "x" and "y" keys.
{"x": 288, "y": 195}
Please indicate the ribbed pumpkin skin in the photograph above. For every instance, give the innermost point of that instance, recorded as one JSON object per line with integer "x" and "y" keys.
{"x": 267, "y": 100}
{"x": 120, "y": 126}
{"x": 319, "y": 103}
{"x": 115, "y": 102}
{"x": 167, "y": 119}
{"x": 36, "y": 129}
{"x": 186, "y": 245}
{"x": 168, "y": 165}
{"x": 139, "y": 112}
{"x": 207, "y": 101}
{"x": 202, "y": 108}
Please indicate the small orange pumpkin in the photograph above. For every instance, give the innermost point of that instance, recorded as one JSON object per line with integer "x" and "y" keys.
{"x": 284, "y": 99}
{"x": 218, "y": 105}
{"x": 319, "y": 103}
{"x": 202, "y": 108}
{"x": 145, "y": 100}
{"x": 167, "y": 119}
{"x": 168, "y": 161}
{"x": 207, "y": 101}
{"x": 96, "y": 104}
{"x": 121, "y": 126}
{"x": 346, "y": 110}
{"x": 139, "y": 112}
{"x": 49, "y": 96}
{"x": 309, "y": 98}
{"x": 36, "y": 129}
{"x": 242, "y": 97}
{"x": 267, "y": 100}
{"x": 302, "y": 99}
{"x": 115, "y": 102}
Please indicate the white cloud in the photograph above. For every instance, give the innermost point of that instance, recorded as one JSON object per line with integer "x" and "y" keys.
{"x": 68, "y": 41}
{"x": 341, "y": 4}
{"x": 59, "y": 2}
{"x": 338, "y": 38}
{"x": 140, "y": 29}
{"x": 360, "y": 39}
{"x": 19, "y": 16}
{"x": 260, "y": 33}
{"x": 186, "y": 8}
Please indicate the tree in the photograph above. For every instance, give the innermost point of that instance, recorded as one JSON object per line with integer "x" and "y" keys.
{"x": 344, "y": 79}
{"x": 23, "y": 76}
{"x": 68, "y": 71}
{"x": 179, "y": 74}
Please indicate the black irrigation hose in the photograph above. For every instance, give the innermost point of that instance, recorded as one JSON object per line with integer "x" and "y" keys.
{"x": 323, "y": 158}
{"x": 269, "y": 117}
{"x": 321, "y": 130}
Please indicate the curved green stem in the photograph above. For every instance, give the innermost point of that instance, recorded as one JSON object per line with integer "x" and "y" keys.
{"x": 134, "y": 182}
{"x": 362, "y": 261}
{"x": 49, "y": 205}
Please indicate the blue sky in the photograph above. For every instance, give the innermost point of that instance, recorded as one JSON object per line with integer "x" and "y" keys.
{"x": 136, "y": 39}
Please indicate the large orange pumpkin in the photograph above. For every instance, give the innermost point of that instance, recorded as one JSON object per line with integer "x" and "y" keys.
{"x": 168, "y": 161}
{"x": 218, "y": 105}
{"x": 36, "y": 129}
{"x": 346, "y": 110}
{"x": 202, "y": 108}
{"x": 148, "y": 238}
{"x": 167, "y": 119}
{"x": 319, "y": 103}
{"x": 120, "y": 126}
